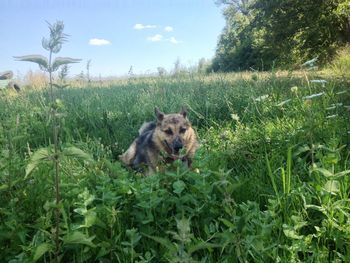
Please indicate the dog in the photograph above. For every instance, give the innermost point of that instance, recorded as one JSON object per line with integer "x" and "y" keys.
{"x": 169, "y": 138}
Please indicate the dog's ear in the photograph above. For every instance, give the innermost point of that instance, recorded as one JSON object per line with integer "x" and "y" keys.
{"x": 159, "y": 114}
{"x": 183, "y": 111}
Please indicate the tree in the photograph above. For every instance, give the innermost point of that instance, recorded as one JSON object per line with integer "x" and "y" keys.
{"x": 240, "y": 43}
{"x": 262, "y": 33}
{"x": 161, "y": 71}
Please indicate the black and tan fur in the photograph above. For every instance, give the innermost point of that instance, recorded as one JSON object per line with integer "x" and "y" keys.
{"x": 169, "y": 138}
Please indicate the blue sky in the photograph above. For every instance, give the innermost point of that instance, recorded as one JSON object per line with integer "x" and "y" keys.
{"x": 114, "y": 34}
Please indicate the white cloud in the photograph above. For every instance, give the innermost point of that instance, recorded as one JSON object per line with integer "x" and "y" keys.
{"x": 174, "y": 40}
{"x": 168, "y": 28}
{"x": 155, "y": 38}
{"x": 99, "y": 42}
{"x": 141, "y": 26}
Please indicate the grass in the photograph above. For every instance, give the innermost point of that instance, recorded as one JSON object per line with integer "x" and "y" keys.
{"x": 270, "y": 182}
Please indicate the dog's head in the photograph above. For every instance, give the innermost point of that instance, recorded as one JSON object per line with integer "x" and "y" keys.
{"x": 172, "y": 130}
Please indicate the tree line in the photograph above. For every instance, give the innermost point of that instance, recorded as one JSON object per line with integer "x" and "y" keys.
{"x": 264, "y": 34}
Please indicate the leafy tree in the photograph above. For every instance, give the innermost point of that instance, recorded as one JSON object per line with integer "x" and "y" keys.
{"x": 262, "y": 33}
{"x": 239, "y": 44}
{"x": 301, "y": 29}
{"x": 161, "y": 71}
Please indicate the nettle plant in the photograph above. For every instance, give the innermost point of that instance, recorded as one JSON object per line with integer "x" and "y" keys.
{"x": 55, "y": 153}
{"x": 53, "y": 45}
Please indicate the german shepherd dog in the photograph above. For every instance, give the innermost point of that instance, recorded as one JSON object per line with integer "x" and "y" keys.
{"x": 167, "y": 139}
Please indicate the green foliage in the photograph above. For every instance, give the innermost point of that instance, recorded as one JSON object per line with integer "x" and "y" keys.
{"x": 270, "y": 182}
{"x": 341, "y": 64}
{"x": 263, "y": 34}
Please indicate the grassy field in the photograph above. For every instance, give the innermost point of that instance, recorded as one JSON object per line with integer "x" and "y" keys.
{"x": 270, "y": 182}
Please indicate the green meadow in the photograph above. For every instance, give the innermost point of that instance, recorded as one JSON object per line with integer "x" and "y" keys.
{"x": 270, "y": 182}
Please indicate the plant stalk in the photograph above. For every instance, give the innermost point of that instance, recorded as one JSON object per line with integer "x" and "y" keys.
{"x": 56, "y": 162}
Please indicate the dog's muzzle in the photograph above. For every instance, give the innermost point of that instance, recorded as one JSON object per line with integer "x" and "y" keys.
{"x": 174, "y": 148}
{"x": 177, "y": 145}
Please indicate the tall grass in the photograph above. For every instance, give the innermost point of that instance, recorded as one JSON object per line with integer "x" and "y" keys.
{"x": 269, "y": 184}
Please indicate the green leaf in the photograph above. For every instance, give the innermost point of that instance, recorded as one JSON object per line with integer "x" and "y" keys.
{"x": 163, "y": 241}
{"x": 300, "y": 150}
{"x": 332, "y": 186}
{"x": 317, "y": 208}
{"x": 38, "y": 59}
{"x": 61, "y": 86}
{"x": 3, "y": 187}
{"x": 290, "y": 232}
{"x": 227, "y": 223}
{"x": 343, "y": 173}
{"x": 41, "y": 250}
{"x": 77, "y": 153}
{"x": 179, "y": 186}
{"x": 59, "y": 61}
{"x": 78, "y": 237}
{"x": 133, "y": 236}
{"x": 42, "y": 155}
{"x": 202, "y": 245}
{"x": 90, "y": 219}
{"x": 81, "y": 211}
{"x": 323, "y": 171}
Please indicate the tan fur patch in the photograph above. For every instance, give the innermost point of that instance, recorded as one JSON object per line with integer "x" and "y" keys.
{"x": 129, "y": 155}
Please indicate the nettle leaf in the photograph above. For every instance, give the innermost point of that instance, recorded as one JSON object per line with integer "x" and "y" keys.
{"x": 202, "y": 245}
{"x": 133, "y": 236}
{"x": 60, "y": 86}
{"x": 78, "y": 237}
{"x": 77, "y": 153}
{"x": 38, "y": 59}
{"x": 81, "y": 211}
{"x": 59, "y": 61}
{"x": 343, "y": 173}
{"x": 42, "y": 155}
{"x": 163, "y": 241}
{"x": 290, "y": 232}
{"x": 332, "y": 187}
{"x": 324, "y": 172}
{"x": 178, "y": 187}
{"x": 90, "y": 219}
{"x": 41, "y": 250}
{"x": 227, "y": 223}
{"x": 300, "y": 150}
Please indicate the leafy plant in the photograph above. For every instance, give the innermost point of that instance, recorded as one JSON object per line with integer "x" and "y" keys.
{"x": 53, "y": 45}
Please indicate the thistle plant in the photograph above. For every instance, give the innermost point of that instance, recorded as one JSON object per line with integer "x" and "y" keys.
{"x": 53, "y": 45}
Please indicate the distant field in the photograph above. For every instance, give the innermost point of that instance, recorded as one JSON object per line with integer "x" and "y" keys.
{"x": 270, "y": 182}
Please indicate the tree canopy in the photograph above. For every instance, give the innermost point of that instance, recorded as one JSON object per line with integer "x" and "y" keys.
{"x": 262, "y": 34}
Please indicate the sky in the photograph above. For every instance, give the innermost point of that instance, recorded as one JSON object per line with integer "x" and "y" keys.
{"x": 113, "y": 34}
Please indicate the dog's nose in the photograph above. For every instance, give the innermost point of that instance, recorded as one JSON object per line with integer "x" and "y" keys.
{"x": 177, "y": 145}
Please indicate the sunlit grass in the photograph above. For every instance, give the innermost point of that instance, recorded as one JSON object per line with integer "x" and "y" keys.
{"x": 270, "y": 181}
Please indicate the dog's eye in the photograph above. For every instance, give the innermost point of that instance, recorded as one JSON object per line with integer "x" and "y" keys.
{"x": 182, "y": 130}
{"x": 169, "y": 131}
